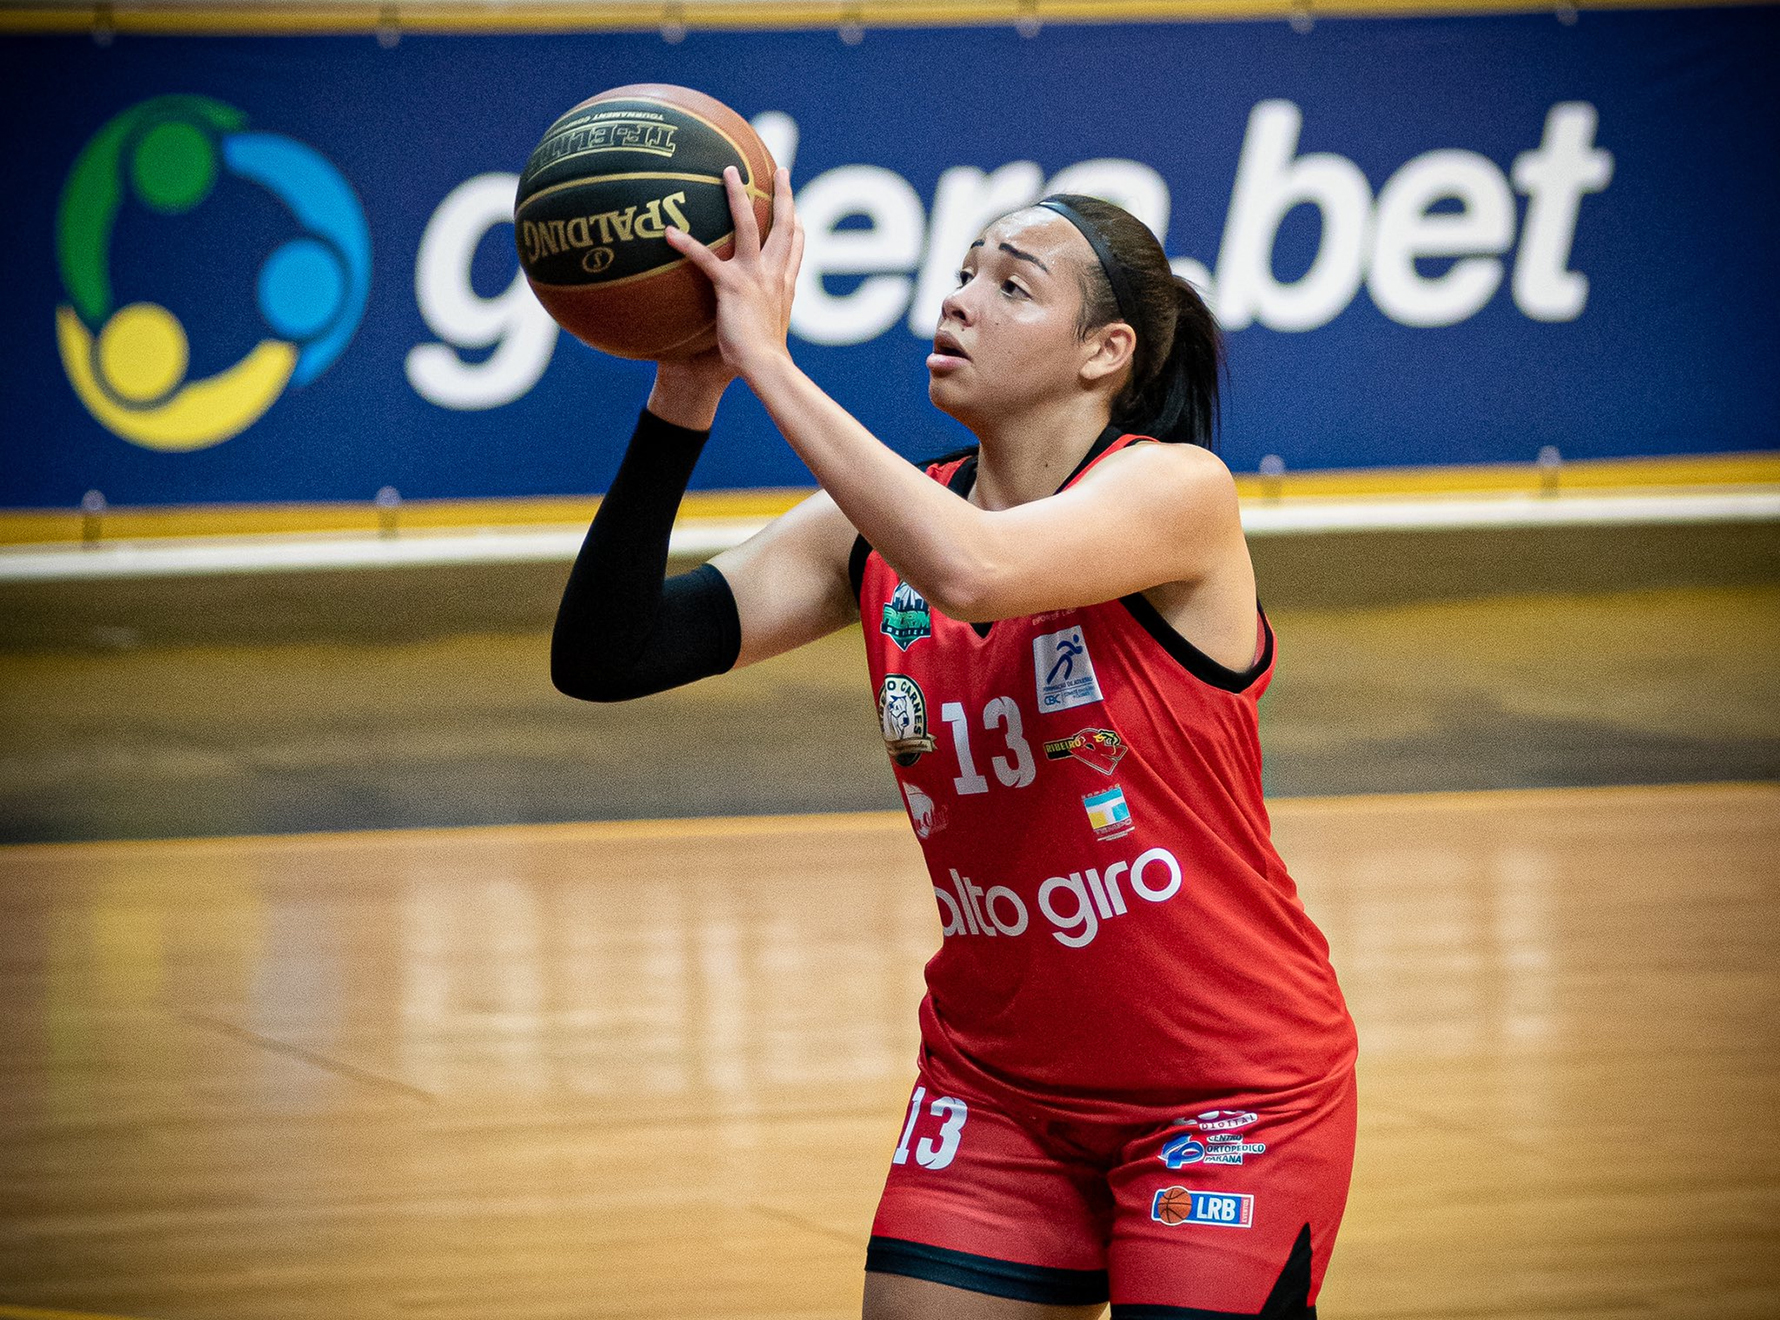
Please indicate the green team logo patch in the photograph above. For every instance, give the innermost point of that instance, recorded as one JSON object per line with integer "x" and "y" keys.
{"x": 906, "y": 618}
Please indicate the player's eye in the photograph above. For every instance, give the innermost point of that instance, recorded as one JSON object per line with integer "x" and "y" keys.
{"x": 963, "y": 278}
{"x": 1013, "y": 290}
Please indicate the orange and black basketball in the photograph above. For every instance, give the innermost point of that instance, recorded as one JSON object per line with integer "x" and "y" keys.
{"x": 1172, "y": 1205}
{"x": 597, "y": 196}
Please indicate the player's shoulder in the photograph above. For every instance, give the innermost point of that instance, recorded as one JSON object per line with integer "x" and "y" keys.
{"x": 1170, "y": 471}
{"x": 1194, "y": 459}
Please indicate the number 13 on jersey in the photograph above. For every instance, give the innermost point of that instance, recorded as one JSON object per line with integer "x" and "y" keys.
{"x": 929, "y": 1153}
{"x": 1015, "y": 770}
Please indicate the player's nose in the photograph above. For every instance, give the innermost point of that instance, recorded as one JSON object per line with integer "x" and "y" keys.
{"x": 957, "y": 307}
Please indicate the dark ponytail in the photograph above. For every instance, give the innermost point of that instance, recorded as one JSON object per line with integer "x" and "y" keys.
{"x": 1172, "y": 393}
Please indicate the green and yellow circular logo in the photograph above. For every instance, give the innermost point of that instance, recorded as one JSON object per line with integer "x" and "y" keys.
{"x": 129, "y": 363}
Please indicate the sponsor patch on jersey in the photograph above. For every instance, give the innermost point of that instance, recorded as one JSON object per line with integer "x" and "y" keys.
{"x": 1229, "y": 1148}
{"x": 927, "y": 818}
{"x": 1064, "y": 671}
{"x": 1220, "y": 1120}
{"x": 1178, "y": 1152}
{"x": 1217, "y": 1139}
{"x": 1108, "y": 814}
{"x": 906, "y": 618}
{"x": 1208, "y": 1148}
{"x": 902, "y": 712}
{"x": 1184, "y": 1205}
{"x": 1101, "y": 748}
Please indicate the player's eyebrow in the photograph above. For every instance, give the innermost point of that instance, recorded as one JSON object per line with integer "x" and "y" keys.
{"x": 1013, "y": 251}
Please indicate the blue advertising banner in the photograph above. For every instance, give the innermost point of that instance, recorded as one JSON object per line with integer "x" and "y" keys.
{"x": 282, "y": 268}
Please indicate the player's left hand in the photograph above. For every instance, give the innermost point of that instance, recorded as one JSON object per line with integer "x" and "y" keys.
{"x": 756, "y": 283}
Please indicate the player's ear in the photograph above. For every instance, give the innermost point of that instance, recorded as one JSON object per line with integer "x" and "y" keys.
{"x": 1108, "y": 350}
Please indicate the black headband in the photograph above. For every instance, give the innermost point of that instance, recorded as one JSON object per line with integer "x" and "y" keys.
{"x": 1115, "y": 273}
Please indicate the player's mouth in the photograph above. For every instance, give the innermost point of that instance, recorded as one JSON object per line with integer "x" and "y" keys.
{"x": 948, "y": 354}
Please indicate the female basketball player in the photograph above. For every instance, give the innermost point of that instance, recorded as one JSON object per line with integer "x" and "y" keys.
{"x": 1136, "y": 1076}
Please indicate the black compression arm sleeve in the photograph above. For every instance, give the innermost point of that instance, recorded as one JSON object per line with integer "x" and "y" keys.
{"x": 621, "y": 631}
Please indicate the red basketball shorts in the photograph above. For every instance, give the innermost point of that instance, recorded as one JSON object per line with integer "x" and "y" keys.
{"x": 1201, "y": 1212}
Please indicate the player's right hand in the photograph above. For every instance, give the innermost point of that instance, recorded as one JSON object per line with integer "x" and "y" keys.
{"x": 756, "y": 284}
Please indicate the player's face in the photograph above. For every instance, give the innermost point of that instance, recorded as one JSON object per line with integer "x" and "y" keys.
{"x": 1007, "y": 334}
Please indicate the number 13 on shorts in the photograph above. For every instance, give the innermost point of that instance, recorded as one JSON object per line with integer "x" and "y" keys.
{"x": 931, "y": 1153}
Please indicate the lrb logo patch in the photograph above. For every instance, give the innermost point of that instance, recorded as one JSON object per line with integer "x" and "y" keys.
{"x": 1183, "y": 1205}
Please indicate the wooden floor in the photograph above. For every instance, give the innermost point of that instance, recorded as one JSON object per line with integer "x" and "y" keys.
{"x": 656, "y": 1070}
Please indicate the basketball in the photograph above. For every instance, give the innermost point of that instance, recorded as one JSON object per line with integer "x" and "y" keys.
{"x": 597, "y": 196}
{"x": 1172, "y": 1205}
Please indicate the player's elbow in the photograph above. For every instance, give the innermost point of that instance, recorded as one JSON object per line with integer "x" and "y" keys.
{"x": 964, "y": 602}
{"x": 574, "y": 683}
{"x": 575, "y": 676}
{"x": 971, "y": 588}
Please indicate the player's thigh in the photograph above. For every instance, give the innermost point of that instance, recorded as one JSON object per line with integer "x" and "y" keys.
{"x": 1233, "y": 1211}
{"x": 979, "y": 1204}
{"x": 898, "y": 1297}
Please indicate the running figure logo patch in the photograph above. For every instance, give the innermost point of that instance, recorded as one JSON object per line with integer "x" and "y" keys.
{"x": 1065, "y": 672}
{"x": 906, "y": 618}
{"x": 902, "y": 711}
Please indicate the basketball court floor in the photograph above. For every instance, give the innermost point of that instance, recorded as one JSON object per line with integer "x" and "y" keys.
{"x": 657, "y": 1069}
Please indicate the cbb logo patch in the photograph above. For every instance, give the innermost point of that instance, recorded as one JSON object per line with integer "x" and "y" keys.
{"x": 129, "y": 364}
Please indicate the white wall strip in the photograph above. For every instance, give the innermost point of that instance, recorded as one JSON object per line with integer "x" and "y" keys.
{"x": 1423, "y": 515}
{"x": 196, "y": 556}
{"x": 201, "y": 555}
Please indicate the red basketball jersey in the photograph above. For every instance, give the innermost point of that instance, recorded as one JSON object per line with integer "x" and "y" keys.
{"x": 1087, "y": 788}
